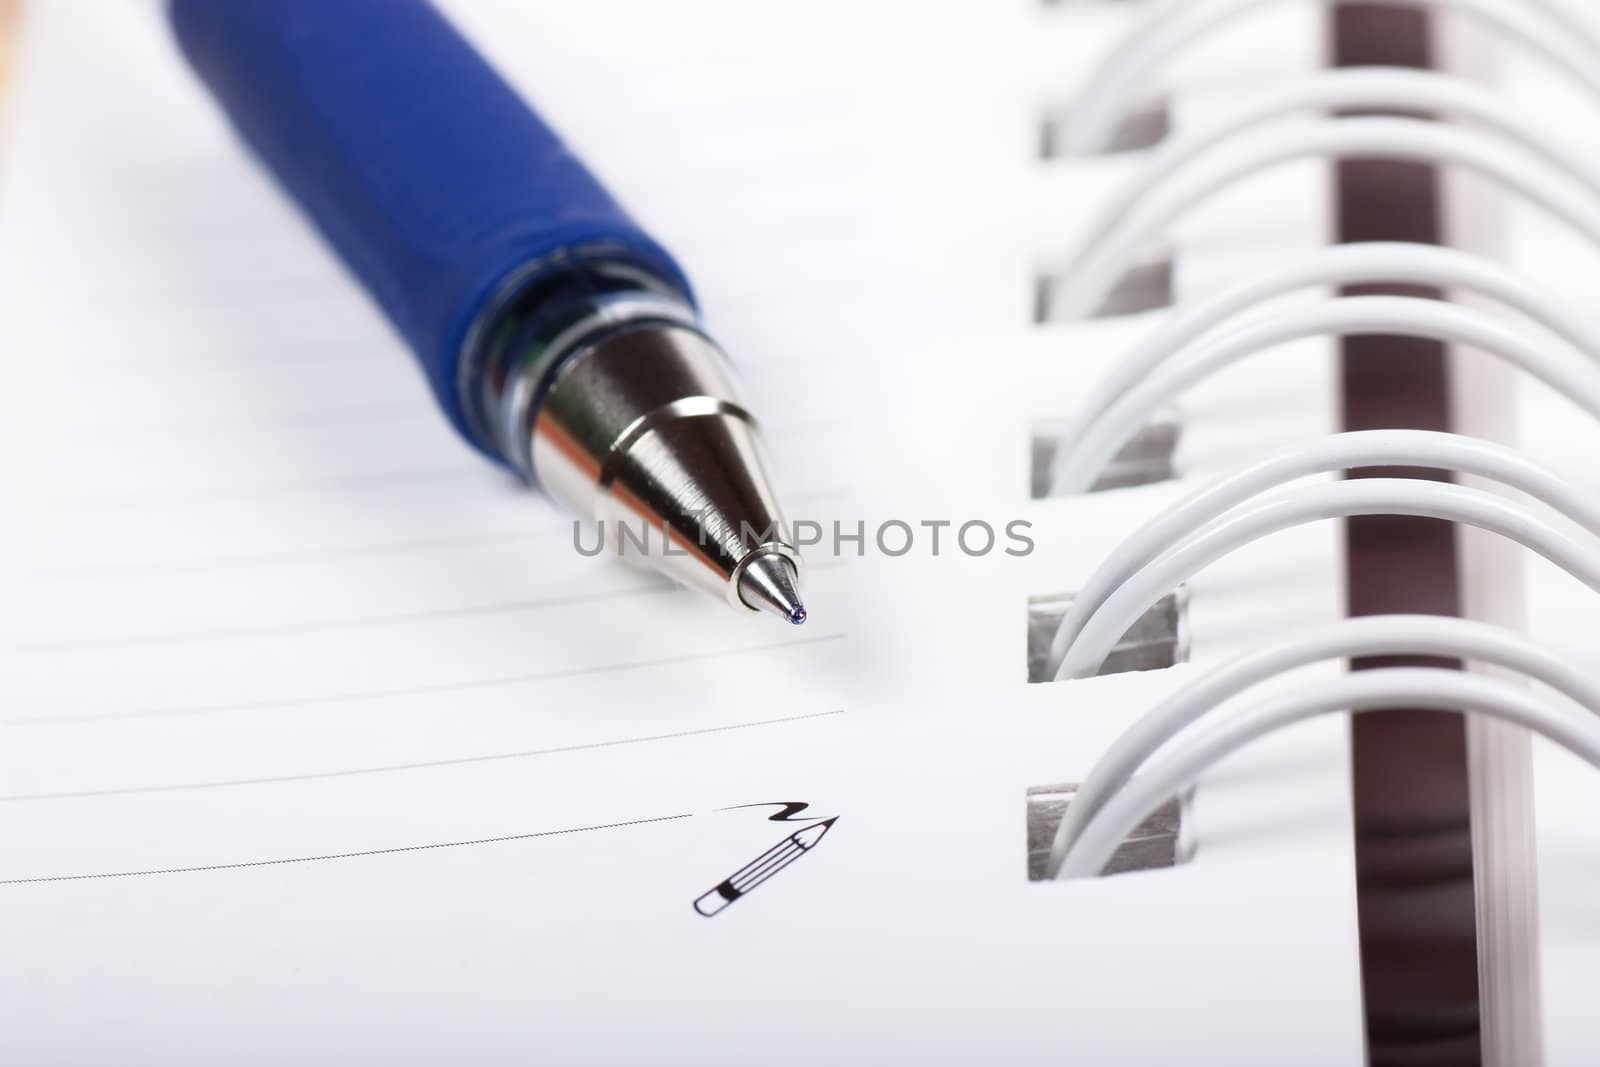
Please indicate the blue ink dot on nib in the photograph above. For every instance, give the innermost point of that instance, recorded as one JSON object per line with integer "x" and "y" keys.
{"x": 798, "y": 616}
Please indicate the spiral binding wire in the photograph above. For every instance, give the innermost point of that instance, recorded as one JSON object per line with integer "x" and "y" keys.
{"x": 1112, "y": 91}
{"x": 1420, "y": 635}
{"x": 1573, "y": 726}
{"x": 1098, "y": 268}
{"x": 1162, "y": 754}
{"x": 1214, "y": 506}
{"x": 1104, "y": 432}
{"x": 1339, "y": 265}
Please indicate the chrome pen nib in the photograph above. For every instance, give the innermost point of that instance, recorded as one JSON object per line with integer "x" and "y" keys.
{"x": 770, "y": 583}
{"x": 643, "y": 432}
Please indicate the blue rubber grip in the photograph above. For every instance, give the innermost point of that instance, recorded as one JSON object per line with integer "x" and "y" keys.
{"x": 426, "y": 172}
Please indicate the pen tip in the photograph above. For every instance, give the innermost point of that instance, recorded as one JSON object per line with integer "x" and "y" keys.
{"x": 770, "y": 583}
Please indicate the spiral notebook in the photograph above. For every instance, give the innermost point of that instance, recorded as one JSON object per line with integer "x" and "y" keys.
{"x": 318, "y": 736}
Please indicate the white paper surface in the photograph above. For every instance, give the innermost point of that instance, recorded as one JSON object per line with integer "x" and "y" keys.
{"x": 426, "y": 784}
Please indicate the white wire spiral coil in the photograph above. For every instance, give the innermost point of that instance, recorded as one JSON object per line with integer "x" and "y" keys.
{"x": 1163, "y": 753}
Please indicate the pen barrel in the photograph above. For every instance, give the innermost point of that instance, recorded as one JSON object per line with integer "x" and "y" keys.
{"x": 432, "y": 179}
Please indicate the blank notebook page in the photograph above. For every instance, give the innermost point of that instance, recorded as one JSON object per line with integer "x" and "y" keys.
{"x": 318, "y": 738}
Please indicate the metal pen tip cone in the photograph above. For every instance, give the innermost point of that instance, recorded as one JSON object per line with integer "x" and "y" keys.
{"x": 771, "y": 584}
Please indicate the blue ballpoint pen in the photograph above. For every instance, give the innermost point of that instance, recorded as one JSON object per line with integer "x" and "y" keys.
{"x": 558, "y": 337}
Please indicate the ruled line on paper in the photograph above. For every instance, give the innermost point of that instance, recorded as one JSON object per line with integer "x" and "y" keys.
{"x": 419, "y": 690}
{"x": 270, "y": 295}
{"x": 179, "y": 566}
{"x": 358, "y": 772}
{"x": 262, "y": 292}
{"x": 232, "y": 425}
{"x": 650, "y": 586}
{"x": 464, "y": 472}
{"x": 286, "y": 239}
{"x": 303, "y": 299}
{"x": 284, "y": 861}
{"x": 201, "y": 495}
{"x": 368, "y": 622}
{"x": 248, "y": 356}
{"x": 159, "y": 568}
{"x": 372, "y": 346}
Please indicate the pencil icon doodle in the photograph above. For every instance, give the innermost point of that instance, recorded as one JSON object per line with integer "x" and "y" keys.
{"x": 762, "y": 867}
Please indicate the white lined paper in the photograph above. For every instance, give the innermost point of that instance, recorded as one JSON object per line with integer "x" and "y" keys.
{"x": 250, "y": 640}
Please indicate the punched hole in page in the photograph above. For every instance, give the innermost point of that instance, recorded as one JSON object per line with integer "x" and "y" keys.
{"x": 1147, "y": 286}
{"x": 1148, "y": 458}
{"x": 1153, "y": 845}
{"x": 1157, "y": 641}
{"x": 1145, "y": 128}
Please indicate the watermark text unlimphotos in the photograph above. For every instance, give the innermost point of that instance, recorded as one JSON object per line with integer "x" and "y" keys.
{"x": 893, "y": 538}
